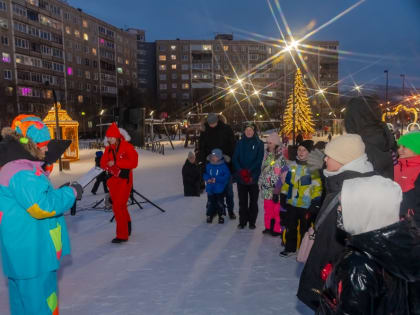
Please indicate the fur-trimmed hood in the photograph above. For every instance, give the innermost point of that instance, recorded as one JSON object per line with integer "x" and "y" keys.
{"x": 12, "y": 148}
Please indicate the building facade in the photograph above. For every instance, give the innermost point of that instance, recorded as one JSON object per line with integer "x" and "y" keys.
{"x": 256, "y": 73}
{"x": 85, "y": 60}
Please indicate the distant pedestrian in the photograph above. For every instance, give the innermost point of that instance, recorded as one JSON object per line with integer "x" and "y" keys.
{"x": 191, "y": 176}
{"x": 247, "y": 160}
{"x": 329, "y": 137}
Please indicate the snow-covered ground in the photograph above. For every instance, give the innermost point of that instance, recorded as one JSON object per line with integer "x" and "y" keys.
{"x": 174, "y": 262}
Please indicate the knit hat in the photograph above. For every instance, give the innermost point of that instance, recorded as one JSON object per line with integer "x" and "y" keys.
{"x": 113, "y": 131}
{"x": 307, "y": 144}
{"x": 212, "y": 118}
{"x": 346, "y": 148}
{"x": 274, "y": 138}
{"x": 411, "y": 140}
{"x": 369, "y": 203}
{"x": 99, "y": 154}
{"x": 218, "y": 153}
{"x": 191, "y": 155}
{"x": 30, "y": 126}
{"x": 250, "y": 125}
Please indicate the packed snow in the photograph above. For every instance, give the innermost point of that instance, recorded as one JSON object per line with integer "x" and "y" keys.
{"x": 174, "y": 262}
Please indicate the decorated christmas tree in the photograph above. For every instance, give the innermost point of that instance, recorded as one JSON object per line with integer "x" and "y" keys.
{"x": 303, "y": 114}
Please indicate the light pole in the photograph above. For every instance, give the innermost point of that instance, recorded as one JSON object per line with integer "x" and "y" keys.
{"x": 57, "y": 127}
{"x": 402, "y": 112}
{"x": 101, "y": 113}
{"x": 386, "y": 87}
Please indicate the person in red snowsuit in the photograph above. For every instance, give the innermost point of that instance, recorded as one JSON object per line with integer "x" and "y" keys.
{"x": 119, "y": 159}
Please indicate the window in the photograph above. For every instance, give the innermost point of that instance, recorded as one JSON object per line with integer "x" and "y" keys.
{"x": 184, "y": 57}
{"x": 7, "y": 75}
{"x": 85, "y": 24}
{"x": 36, "y": 77}
{"x": 162, "y": 67}
{"x": 127, "y": 62}
{"x": 173, "y": 95}
{"x": 120, "y": 70}
{"x": 87, "y": 75}
{"x": 270, "y": 93}
{"x": 173, "y": 67}
{"x": 19, "y": 10}
{"x": 6, "y": 57}
{"x": 69, "y": 57}
{"x": 87, "y": 62}
{"x": 185, "y": 77}
{"x": 162, "y": 58}
{"x": 162, "y": 48}
{"x": 45, "y": 35}
{"x": 94, "y": 51}
{"x": 163, "y": 86}
{"x": 174, "y": 76}
{"x": 185, "y": 96}
{"x": 162, "y": 77}
{"x": 173, "y": 47}
{"x": 253, "y": 57}
{"x": 185, "y": 48}
{"x": 58, "y": 67}
{"x": 225, "y": 48}
{"x": 85, "y": 36}
{"x": 121, "y": 82}
{"x": 78, "y": 60}
{"x": 46, "y": 50}
{"x": 95, "y": 76}
{"x": 206, "y": 47}
{"x": 68, "y": 31}
{"x": 76, "y": 33}
{"x": 88, "y": 86}
{"x": 185, "y": 86}
{"x": 173, "y": 57}
{"x": 3, "y": 6}
{"x": 185, "y": 67}
{"x": 21, "y": 43}
{"x": 5, "y": 40}
{"x": 174, "y": 85}
{"x": 58, "y": 53}
{"x": 80, "y": 98}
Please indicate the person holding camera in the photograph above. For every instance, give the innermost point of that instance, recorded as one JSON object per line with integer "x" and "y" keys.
{"x": 33, "y": 232}
{"x": 119, "y": 160}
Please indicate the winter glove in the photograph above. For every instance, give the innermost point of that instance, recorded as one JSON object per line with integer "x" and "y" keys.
{"x": 245, "y": 176}
{"x": 283, "y": 200}
{"x": 114, "y": 170}
{"x": 125, "y": 173}
{"x": 78, "y": 188}
{"x": 316, "y": 160}
{"x": 276, "y": 198}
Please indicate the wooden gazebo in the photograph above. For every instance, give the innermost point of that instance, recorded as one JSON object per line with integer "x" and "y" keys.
{"x": 69, "y": 131}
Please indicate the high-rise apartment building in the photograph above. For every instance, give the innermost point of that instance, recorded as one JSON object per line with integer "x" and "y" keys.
{"x": 204, "y": 71}
{"x": 84, "y": 59}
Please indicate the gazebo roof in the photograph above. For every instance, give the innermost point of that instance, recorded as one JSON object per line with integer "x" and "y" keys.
{"x": 63, "y": 117}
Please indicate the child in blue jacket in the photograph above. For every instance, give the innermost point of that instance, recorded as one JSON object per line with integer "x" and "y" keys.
{"x": 216, "y": 177}
{"x": 33, "y": 233}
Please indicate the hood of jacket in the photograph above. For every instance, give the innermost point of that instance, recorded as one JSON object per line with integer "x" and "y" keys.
{"x": 12, "y": 149}
{"x": 360, "y": 165}
{"x": 362, "y": 112}
{"x": 395, "y": 247}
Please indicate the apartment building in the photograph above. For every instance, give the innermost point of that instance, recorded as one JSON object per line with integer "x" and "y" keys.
{"x": 84, "y": 59}
{"x": 204, "y": 71}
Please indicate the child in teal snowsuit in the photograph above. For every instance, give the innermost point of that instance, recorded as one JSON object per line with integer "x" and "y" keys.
{"x": 33, "y": 232}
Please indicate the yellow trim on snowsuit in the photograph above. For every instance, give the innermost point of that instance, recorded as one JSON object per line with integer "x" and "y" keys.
{"x": 301, "y": 186}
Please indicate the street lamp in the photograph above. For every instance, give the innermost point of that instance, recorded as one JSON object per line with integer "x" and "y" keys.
{"x": 101, "y": 113}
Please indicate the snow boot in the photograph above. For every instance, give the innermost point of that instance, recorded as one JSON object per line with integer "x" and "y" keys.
{"x": 275, "y": 234}
{"x": 118, "y": 240}
{"x": 266, "y": 231}
{"x": 221, "y": 220}
{"x": 232, "y": 215}
{"x": 252, "y": 226}
{"x": 241, "y": 226}
{"x": 209, "y": 219}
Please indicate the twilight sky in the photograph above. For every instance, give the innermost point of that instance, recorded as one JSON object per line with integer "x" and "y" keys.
{"x": 379, "y": 34}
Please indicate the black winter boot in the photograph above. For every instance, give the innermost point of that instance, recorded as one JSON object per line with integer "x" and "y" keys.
{"x": 209, "y": 219}
{"x": 221, "y": 220}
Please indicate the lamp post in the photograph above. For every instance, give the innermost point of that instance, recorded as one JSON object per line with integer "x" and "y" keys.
{"x": 402, "y": 112}
{"x": 101, "y": 113}
{"x": 386, "y": 87}
{"x": 57, "y": 127}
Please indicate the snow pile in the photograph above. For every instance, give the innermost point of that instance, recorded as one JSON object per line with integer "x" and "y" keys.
{"x": 174, "y": 262}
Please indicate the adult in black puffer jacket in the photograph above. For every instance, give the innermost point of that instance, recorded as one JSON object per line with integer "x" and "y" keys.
{"x": 363, "y": 117}
{"x": 348, "y": 152}
{"x": 382, "y": 253}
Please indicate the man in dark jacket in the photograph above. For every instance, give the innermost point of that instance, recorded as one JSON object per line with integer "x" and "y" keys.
{"x": 247, "y": 160}
{"x": 218, "y": 135}
{"x": 345, "y": 159}
{"x": 363, "y": 117}
{"x": 382, "y": 253}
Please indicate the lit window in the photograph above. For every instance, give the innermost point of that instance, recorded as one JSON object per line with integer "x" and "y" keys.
{"x": 162, "y": 67}
{"x": 85, "y": 23}
{"x": 69, "y": 71}
{"x": 94, "y": 51}
{"x": 76, "y": 33}
{"x": 173, "y": 67}
{"x": 185, "y": 86}
{"x": 68, "y": 31}
{"x": 87, "y": 74}
{"x": 225, "y": 48}
{"x": 162, "y": 58}
{"x": 80, "y": 98}
{"x": 270, "y": 93}
{"x": 6, "y": 57}
{"x": 120, "y": 70}
{"x": 127, "y": 62}
{"x": 85, "y": 36}
{"x": 206, "y": 47}
{"x": 173, "y": 47}
{"x": 173, "y": 57}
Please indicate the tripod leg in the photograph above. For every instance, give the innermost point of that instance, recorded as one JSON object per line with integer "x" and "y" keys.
{"x": 112, "y": 219}
{"x": 98, "y": 203}
{"x": 153, "y": 204}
